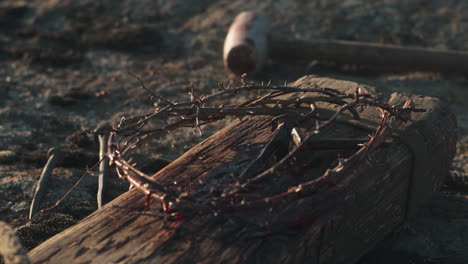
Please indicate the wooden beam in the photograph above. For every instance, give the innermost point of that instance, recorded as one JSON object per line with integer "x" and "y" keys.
{"x": 346, "y": 217}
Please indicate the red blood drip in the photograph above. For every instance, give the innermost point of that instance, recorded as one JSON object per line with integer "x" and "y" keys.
{"x": 148, "y": 201}
{"x": 179, "y": 217}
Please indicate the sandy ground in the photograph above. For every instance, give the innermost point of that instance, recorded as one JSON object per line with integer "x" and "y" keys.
{"x": 64, "y": 64}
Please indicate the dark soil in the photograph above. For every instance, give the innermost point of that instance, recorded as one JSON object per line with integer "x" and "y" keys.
{"x": 64, "y": 68}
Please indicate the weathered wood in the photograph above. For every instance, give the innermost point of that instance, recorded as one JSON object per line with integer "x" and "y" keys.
{"x": 346, "y": 217}
{"x": 375, "y": 55}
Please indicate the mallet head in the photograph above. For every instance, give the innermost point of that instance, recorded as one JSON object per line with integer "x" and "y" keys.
{"x": 245, "y": 47}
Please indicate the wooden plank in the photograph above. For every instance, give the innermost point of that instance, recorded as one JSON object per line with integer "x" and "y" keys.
{"x": 345, "y": 218}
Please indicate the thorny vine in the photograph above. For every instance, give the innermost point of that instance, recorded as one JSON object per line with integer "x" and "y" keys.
{"x": 195, "y": 113}
{"x": 280, "y": 102}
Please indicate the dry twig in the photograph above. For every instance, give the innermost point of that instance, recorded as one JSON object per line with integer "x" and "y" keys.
{"x": 54, "y": 154}
{"x": 103, "y": 138}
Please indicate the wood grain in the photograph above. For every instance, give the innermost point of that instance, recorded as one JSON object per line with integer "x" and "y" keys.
{"x": 345, "y": 218}
{"x": 373, "y": 55}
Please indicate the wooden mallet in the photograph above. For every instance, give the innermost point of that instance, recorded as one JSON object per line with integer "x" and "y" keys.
{"x": 248, "y": 44}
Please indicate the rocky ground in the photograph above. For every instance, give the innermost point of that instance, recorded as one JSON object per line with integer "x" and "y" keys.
{"x": 64, "y": 68}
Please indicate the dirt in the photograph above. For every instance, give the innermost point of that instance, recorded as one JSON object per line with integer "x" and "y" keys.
{"x": 64, "y": 68}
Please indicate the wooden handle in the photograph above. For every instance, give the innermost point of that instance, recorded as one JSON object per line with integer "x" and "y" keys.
{"x": 387, "y": 57}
